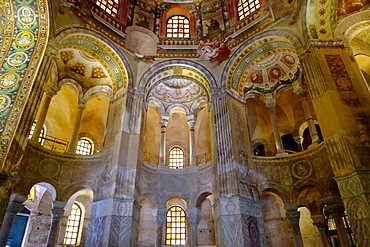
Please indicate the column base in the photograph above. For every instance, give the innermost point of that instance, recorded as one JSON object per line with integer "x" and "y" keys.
{"x": 283, "y": 154}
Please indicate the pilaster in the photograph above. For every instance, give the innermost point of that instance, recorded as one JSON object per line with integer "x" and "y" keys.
{"x": 114, "y": 222}
{"x": 239, "y": 222}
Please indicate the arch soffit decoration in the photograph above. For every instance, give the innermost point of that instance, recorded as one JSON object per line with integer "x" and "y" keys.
{"x": 352, "y": 25}
{"x": 105, "y": 51}
{"x": 255, "y": 50}
{"x": 177, "y": 68}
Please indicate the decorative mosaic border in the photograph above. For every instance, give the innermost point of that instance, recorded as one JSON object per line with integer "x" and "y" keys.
{"x": 254, "y": 54}
{"x": 109, "y": 59}
{"x": 21, "y": 61}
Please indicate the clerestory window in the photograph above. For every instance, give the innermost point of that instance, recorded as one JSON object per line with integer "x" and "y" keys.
{"x": 176, "y": 226}
{"x": 176, "y": 158}
{"x": 247, "y": 7}
{"x": 110, "y": 6}
{"x": 178, "y": 26}
{"x": 85, "y": 146}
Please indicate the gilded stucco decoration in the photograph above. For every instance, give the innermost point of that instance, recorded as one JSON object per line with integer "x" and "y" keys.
{"x": 23, "y": 43}
{"x": 101, "y": 52}
{"x": 179, "y": 74}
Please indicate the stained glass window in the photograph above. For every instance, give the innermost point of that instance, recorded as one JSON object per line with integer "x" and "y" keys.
{"x": 176, "y": 226}
{"x": 110, "y": 6}
{"x": 176, "y": 158}
{"x": 73, "y": 225}
{"x": 178, "y": 27}
{"x": 247, "y": 7}
{"x": 85, "y": 146}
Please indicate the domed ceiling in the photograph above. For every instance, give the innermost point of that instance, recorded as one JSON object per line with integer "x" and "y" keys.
{"x": 177, "y": 91}
{"x": 83, "y": 68}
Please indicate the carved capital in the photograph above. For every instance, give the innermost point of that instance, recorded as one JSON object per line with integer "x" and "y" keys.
{"x": 52, "y": 90}
{"x": 194, "y": 216}
{"x": 335, "y": 210}
{"x": 81, "y": 104}
{"x": 57, "y": 213}
{"x": 271, "y": 104}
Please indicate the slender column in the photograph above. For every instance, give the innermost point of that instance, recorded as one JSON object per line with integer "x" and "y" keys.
{"x": 319, "y": 222}
{"x": 198, "y": 7}
{"x": 157, "y": 16}
{"x": 306, "y": 108}
{"x": 131, "y": 12}
{"x": 43, "y": 110}
{"x": 225, "y": 14}
{"x": 57, "y": 213}
{"x": 194, "y": 219}
{"x": 159, "y": 219}
{"x": 337, "y": 212}
{"x": 193, "y": 157}
{"x": 15, "y": 205}
{"x": 271, "y": 103}
{"x": 76, "y": 129}
{"x": 293, "y": 215}
{"x": 162, "y": 151}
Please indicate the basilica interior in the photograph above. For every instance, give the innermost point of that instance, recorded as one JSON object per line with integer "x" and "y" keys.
{"x": 185, "y": 123}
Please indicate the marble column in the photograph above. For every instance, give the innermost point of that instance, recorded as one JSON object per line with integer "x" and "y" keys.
{"x": 319, "y": 222}
{"x": 157, "y": 16}
{"x": 14, "y": 206}
{"x": 42, "y": 112}
{"x": 57, "y": 213}
{"x": 306, "y": 108}
{"x": 293, "y": 215}
{"x": 337, "y": 212}
{"x": 76, "y": 128}
{"x": 198, "y": 7}
{"x": 162, "y": 150}
{"x": 194, "y": 219}
{"x": 271, "y": 104}
{"x": 159, "y": 219}
{"x": 193, "y": 156}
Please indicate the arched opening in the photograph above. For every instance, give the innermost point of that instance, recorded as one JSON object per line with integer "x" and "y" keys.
{"x": 175, "y": 226}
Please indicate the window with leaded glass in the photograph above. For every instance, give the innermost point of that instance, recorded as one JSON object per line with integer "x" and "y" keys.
{"x": 176, "y": 226}
{"x": 110, "y": 6}
{"x": 85, "y": 147}
{"x": 178, "y": 27}
{"x": 42, "y": 133}
{"x": 176, "y": 158}
{"x": 73, "y": 225}
{"x": 247, "y": 7}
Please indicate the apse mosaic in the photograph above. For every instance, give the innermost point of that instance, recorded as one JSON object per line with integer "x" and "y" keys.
{"x": 23, "y": 43}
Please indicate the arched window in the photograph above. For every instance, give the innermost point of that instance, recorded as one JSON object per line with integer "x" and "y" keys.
{"x": 176, "y": 226}
{"x": 178, "y": 26}
{"x": 74, "y": 223}
{"x": 85, "y": 146}
{"x": 176, "y": 158}
{"x": 42, "y": 133}
{"x": 110, "y": 6}
{"x": 247, "y": 7}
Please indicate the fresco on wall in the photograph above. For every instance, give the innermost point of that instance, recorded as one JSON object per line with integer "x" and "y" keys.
{"x": 215, "y": 51}
{"x": 23, "y": 39}
{"x": 342, "y": 80}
